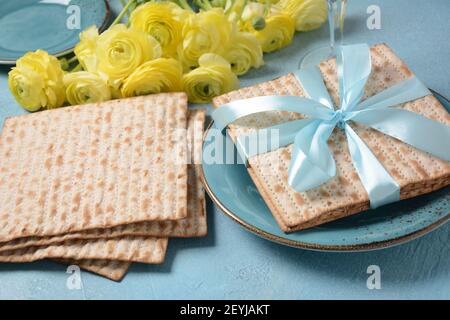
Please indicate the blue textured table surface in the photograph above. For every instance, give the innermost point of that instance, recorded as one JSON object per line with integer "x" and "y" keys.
{"x": 231, "y": 262}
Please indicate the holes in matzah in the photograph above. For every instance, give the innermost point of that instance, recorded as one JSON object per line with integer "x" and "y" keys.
{"x": 381, "y": 61}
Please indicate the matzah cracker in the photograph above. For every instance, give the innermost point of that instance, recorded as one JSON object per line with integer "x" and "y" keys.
{"x": 194, "y": 225}
{"x": 113, "y": 270}
{"x": 127, "y": 249}
{"x": 93, "y": 166}
{"x": 415, "y": 171}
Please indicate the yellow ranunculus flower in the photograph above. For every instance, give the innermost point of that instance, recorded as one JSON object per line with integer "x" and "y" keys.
{"x": 85, "y": 87}
{"x": 234, "y": 9}
{"x": 253, "y": 10}
{"x": 116, "y": 93}
{"x": 212, "y": 78}
{"x": 271, "y": 1}
{"x": 121, "y": 50}
{"x": 253, "y": 17}
{"x": 307, "y": 14}
{"x": 205, "y": 32}
{"x": 37, "y": 81}
{"x": 278, "y": 32}
{"x": 245, "y": 53}
{"x": 85, "y": 49}
{"x": 163, "y": 21}
{"x": 160, "y": 75}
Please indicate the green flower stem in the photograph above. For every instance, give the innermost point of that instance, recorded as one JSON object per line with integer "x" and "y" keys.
{"x": 65, "y": 63}
{"x": 267, "y": 8}
{"x": 208, "y": 5}
{"x": 203, "y": 4}
{"x": 184, "y": 4}
{"x": 124, "y": 3}
{"x": 123, "y": 12}
{"x": 241, "y": 9}
{"x": 228, "y": 9}
{"x": 72, "y": 60}
{"x": 77, "y": 68}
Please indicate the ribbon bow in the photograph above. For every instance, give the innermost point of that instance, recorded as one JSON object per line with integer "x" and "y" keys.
{"x": 312, "y": 163}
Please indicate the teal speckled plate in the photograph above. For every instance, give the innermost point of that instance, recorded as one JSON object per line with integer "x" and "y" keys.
{"x": 28, "y": 25}
{"x": 232, "y": 189}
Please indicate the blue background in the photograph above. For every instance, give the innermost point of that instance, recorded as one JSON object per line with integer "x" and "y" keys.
{"x": 231, "y": 262}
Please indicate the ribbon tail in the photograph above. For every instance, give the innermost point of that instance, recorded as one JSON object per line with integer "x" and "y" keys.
{"x": 312, "y": 82}
{"x": 404, "y": 91}
{"x": 416, "y": 130}
{"x": 230, "y": 112}
{"x": 312, "y": 163}
{"x": 354, "y": 66}
{"x": 380, "y": 186}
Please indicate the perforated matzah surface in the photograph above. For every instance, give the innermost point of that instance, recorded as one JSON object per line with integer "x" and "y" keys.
{"x": 113, "y": 270}
{"x": 415, "y": 171}
{"x": 93, "y": 166}
{"x": 194, "y": 225}
{"x": 127, "y": 249}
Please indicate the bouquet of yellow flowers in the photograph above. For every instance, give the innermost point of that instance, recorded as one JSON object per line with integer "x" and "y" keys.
{"x": 166, "y": 46}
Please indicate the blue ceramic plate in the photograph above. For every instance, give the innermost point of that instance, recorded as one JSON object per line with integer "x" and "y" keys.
{"x": 51, "y": 25}
{"x": 233, "y": 191}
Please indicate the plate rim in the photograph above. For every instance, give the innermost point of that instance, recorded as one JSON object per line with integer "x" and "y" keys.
{"x": 64, "y": 52}
{"x": 318, "y": 247}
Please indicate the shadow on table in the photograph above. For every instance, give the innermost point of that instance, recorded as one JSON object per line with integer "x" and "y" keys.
{"x": 419, "y": 260}
{"x": 174, "y": 246}
{"x": 42, "y": 265}
{"x": 5, "y": 69}
{"x": 177, "y": 244}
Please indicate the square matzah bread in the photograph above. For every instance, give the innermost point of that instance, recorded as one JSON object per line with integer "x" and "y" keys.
{"x": 93, "y": 166}
{"x": 127, "y": 249}
{"x": 415, "y": 171}
{"x": 113, "y": 270}
{"x": 194, "y": 225}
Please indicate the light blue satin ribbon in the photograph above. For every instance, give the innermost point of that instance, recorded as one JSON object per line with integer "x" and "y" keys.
{"x": 312, "y": 163}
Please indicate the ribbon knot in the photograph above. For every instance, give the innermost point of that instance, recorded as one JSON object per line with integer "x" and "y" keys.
{"x": 312, "y": 163}
{"x": 339, "y": 118}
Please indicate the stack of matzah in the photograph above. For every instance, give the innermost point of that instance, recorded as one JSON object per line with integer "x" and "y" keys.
{"x": 101, "y": 186}
{"x": 415, "y": 171}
